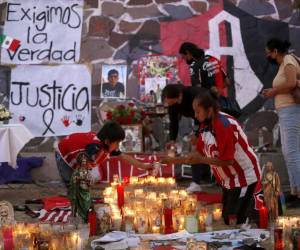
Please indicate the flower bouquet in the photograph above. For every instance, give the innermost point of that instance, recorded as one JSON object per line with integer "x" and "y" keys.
{"x": 126, "y": 115}
{"x": 5, "y": 115}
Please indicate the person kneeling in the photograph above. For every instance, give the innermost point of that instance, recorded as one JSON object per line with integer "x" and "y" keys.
{"x": 224, "y": 146}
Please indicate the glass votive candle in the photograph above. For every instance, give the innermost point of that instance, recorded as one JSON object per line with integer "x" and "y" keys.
{"x": 170, "y": 181}
{"x": 139, "y": 193}
{"x": 116, "y": 222}
{"x": 217, "y": 212}
{"x": 129, "y": 222}
{"x": 133, "y": 180}
{"x": 141, "y": 222}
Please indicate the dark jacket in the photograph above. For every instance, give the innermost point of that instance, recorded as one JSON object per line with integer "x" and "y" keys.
{"x": 185, "y": 108}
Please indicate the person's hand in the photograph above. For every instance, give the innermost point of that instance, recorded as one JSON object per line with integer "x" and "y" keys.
{"x": 268, "y": 92}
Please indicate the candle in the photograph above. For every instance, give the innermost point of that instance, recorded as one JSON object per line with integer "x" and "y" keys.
{"x": 183, "y": 194}
{"x": 168, "y": 220}
{"x": 7, "y": 234}
{"x": 171, "y": 181}
{"x": 278, "y": 239}
{"x": 117, "y": 222}
{"x": 139, "y": 193}
{"x": 161, "y": 180}
{"x": 134, "y": 180}
{"x": 141, "y": 222}
{"x": 120, "y": 191}
{"x": 129, "y": 222}
{"x": 76, "y": 241}
{"x": 263, "y": 217}
{"x": 108, "y": 191}
{"x": 155, "y": 229}
{"x": 217, "y": 214}
{"x": 92, "y": 221}
{"x": 151, "y": 196}
{"x": 191, "y": 224}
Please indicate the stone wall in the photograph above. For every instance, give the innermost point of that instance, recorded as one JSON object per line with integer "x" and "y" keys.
{"x": 121, "y": 31}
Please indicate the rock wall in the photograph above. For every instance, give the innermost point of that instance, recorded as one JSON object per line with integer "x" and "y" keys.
{"x": 121, "y": 31}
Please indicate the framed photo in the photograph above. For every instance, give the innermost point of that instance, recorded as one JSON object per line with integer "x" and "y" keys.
{"x": 113, "y": 81}
{"x": 134, "y": 141}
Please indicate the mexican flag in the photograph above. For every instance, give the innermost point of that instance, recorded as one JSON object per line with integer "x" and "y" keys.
{"x": 9, "y": 43}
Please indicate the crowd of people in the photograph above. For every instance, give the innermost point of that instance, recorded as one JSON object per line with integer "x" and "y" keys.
{"x": 221, "y": 146}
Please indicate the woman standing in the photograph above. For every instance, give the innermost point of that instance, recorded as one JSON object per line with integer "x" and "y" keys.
{"x": 224, "y": 146}
{"x": 288, "y": 111}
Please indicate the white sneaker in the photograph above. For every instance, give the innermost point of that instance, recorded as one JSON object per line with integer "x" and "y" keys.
{"x": 194, "y": 187}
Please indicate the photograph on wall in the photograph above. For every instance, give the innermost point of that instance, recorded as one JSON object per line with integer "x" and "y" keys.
{"x": 133, "y": 142}
{"x": 154, "y": 87}
{"x": 155, "y": 72}
{"x": 113, "y": 81}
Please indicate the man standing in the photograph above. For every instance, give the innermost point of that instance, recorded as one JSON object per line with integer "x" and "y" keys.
{"x": 180, "y": 103}
{"x": 113, "y": 88}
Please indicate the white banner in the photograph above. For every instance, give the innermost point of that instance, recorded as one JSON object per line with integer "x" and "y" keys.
{"x": 49, "y": 31}
{"x": 51, "y": 100}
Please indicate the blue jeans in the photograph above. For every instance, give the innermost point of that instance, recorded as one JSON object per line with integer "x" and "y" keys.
{"x": 289, "y": 121}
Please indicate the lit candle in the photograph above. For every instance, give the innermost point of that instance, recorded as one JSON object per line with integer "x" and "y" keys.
{"x": 139, "y": 193}
{"x": 134, "y": 180}
{"x": 108, "y": 191}
{"x": 155, "y": 229}
{"x": 151, "y": 196}
{"x": 183, "y": 194}
{"x": 217, "y": 214}
{"x": 76, "y": 241}
{"x": 161, "y": 180}
{"x": 120, "y": 191}
{"x": 141, "y": 222}
{"x": 171, "y": 181}
{"x": 263, "y": 217}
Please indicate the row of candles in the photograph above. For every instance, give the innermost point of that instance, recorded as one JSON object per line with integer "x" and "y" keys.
{"x": 158, "y": 207}
{"x": 44, "y": 236}
{"x": 287, "y": 233}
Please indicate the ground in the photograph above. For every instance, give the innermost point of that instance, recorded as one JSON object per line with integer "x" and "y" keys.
{"x": 17, "y": 194}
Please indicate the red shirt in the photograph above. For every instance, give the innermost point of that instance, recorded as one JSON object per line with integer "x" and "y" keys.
{"x": 70, "y": 146}
{"x": 227, "y": 141}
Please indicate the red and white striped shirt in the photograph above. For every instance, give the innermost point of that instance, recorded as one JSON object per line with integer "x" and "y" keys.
{"x": 70, "y": 146}
{"x": 227, "y": 141}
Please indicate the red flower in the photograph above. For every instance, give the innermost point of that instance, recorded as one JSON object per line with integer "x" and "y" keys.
{"x": 132, "y": 113}
{"x": 131, "y": 104}
{"x": 109, "y": 115}
{"x": 129, "y": 121}
{"x": 121, "y": 107}
{"x": 143, "y": 114}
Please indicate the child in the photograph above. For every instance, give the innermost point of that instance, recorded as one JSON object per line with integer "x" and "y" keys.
{"x": 97, "y": 146}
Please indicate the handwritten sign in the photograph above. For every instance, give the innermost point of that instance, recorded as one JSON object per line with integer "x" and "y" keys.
{"x": 49, "y": 31}
{"x": 51, "y": 100}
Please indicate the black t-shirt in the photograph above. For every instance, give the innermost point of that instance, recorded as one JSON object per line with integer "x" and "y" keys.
{"x": 185, "y": 108}
{"x": 207, "y": 73}
{"x": 109, "y": 90}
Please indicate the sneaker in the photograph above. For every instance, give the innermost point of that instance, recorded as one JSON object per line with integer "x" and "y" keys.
{"x": 194, "y": 187}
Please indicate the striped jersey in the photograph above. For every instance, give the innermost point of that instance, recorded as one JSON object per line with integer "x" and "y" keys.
{"x": 227, "y": 141}
{"x": 70, "y": 146}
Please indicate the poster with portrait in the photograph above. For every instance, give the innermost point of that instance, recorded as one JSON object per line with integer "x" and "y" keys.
{"x": 113, "y": 81}
{"x": 133, "y": 142}
{"x": 51, "y": 100}
{"x": 156, "y": 71}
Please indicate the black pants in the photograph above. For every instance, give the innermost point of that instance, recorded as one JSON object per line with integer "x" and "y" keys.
{"x": 201, "y": 173}
{"x": 237, "y": 204}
